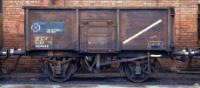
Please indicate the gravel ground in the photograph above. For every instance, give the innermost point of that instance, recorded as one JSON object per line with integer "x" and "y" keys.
{"x": 166, "y": 80}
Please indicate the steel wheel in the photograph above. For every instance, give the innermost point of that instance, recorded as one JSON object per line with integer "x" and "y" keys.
{"x": 130, "y": 72}
{"x": 68, "y": 70}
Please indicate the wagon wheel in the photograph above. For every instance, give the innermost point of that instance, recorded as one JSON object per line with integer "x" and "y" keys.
{"x": 130, "y": 72}
{"x": 67, "y": 70}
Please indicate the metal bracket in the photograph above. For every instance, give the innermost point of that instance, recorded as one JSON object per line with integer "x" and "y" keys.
{"x": 98, "y": 59}
{"x": 123, "y": 60}
{"x": 138, "y": 69}
{"x": 59, "y": 67}
{"x": 149, "y": 62}
{"x": 90, "y": 67}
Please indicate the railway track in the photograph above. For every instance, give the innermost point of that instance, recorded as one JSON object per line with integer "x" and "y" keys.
{"x": 160, "y": 80}
{"x": 101, "y": 77}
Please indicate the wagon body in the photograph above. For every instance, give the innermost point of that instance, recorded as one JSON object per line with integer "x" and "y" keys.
{"x": 98, "y": 30}
{"x": 97, "y": 38}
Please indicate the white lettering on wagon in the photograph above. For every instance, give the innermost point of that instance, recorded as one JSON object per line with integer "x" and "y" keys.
{"x": 142, "y": 31}
{"x": 53, "y": 31}
{"x": 43, "y": 41}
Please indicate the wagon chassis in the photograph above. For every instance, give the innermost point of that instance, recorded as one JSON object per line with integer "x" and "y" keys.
{"x": 60, "y": 69}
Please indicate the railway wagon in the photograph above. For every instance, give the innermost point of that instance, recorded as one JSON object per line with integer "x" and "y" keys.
{"x": 98, "y": 37}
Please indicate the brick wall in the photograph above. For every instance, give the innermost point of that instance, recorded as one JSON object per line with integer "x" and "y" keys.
{"x": 185, "y": 30}
{"x": 13, "y": 31}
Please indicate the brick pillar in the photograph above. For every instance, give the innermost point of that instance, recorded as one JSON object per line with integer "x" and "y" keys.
{"x": 187, "y": 21}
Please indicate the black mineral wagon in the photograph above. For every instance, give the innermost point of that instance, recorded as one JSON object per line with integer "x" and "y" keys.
{"x": 98, "y": 37}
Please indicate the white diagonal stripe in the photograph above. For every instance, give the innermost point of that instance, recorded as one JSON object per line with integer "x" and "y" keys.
{"x": 142, "y": 31}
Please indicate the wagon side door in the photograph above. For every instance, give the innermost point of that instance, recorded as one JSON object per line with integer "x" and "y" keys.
{"x": 98, "y": 31}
